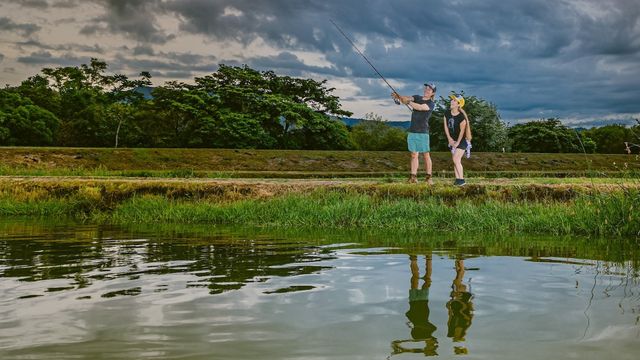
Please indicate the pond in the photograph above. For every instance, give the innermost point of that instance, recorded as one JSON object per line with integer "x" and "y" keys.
{"x": 73, "y": 291}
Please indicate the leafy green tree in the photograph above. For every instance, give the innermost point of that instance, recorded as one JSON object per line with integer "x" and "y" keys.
{"x": 119, "y": 127}
{"x": 589, "y": 144}
{"x": 81, "y": 97}
{"x": 38, "y": 90}
{"x": 321, "y": 133}
{"x": 610, "y": 139}
{"x": 548, "y": 136}
{"x": 294, "y": 113}
{"x": 187, "y": 117}
{"x": 237, "y": 130}
{"x": 23, "y": 123}
{"x": 375, "y": 134}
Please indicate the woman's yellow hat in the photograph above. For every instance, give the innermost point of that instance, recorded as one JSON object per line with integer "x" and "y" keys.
{"x": 459, "y": 99}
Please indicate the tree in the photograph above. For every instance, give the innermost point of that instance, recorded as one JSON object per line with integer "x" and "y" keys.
{"x": 375, "y": 134}
{"x": 82, "y": 98}
{"x": 548, "y": 136}
{"x": 23, "y": 123}
{"x": 237, "y": 130}
{"x": 38, "y": 90}
{"x": 293, "y": 113}
{"x": 610, "y": 139}
{"x": 187, "y": 115}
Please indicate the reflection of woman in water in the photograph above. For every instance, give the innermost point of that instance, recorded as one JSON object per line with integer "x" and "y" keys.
{"x": 422, "y": 329}
{"x": 460, "y": 309}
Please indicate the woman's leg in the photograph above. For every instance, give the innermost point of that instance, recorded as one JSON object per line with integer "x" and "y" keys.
{"x": 457, "y": 163}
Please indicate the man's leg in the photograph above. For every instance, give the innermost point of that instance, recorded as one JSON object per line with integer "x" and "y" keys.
{"x": 413, "y": 177}
{"x": 428, "y": 167}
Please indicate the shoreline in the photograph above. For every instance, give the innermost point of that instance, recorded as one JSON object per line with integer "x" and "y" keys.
{"x": 503, "y": 206}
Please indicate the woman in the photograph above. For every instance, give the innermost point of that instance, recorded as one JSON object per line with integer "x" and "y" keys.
{"x": 456, "y": 127}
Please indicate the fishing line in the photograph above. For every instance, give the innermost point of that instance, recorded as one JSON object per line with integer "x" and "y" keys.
{"x": 367, "y": 60}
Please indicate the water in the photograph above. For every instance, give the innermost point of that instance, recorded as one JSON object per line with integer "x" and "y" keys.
{"x": 91, "y": 292}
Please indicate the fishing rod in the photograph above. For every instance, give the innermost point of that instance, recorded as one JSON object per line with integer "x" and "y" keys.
{"x": 369, "y": 62}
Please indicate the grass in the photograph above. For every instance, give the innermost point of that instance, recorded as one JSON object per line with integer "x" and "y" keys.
{"x": 562, "y": 209}
{"x": 599, "y": 215}
{"x": 554, "y": 194}
{"x": 215, "y": 163}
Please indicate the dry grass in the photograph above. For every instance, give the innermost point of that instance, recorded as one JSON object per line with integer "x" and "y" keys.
{"x": 293, "y": 163}
{"x": 108, "y": 191}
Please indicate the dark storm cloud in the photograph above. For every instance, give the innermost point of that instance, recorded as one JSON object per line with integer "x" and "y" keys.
{"x": 166, "y": 63}
{"x": 527, "y": 56}
{"x": 136, "y": 19}
{"x": 9, "y": 25}
{"x": 41, "y": 4}
{"x": 532, "y": 58}
{"x": 65, "y": 4}
{"x": 287, "y": 24}
{"x": 71, "y": 48}
{"x": 286, "y": 61}
{"x": 143, "y": 50}
{"x": 42, "y": 58}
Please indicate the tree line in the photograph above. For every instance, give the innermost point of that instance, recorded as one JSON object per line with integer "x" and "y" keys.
{"x": 490, "y": 134}
{"x": 239, "y": 107}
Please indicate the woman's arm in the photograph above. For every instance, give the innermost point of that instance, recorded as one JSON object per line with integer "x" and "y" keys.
{"x": 446, "y": 131}
{"x": 468, "y": 129}
{"x": 463, "y": 127}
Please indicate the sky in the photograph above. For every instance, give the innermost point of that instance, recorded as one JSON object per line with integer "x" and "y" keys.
{"x": 576, "y": 60}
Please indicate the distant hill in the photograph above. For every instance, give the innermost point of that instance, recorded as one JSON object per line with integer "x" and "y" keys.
{"x": 145, "y": 91}
{"x": 355, "y": 121}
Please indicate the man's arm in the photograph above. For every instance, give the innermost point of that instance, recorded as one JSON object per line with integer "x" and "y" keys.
{"x": 418, "y": 107}
{"x": 403, "y": 99}
{"x": 408, "y": 100}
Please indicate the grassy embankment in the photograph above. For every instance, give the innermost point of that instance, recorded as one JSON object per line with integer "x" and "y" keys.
{"x": 603, "y": 204}
{"x": 220, "y": 163}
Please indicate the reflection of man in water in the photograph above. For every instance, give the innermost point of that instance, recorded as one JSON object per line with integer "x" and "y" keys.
{"x": 418, "y": 314}
{"x": 460, "y": 309}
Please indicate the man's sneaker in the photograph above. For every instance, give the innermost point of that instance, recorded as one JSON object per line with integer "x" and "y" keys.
{"x": 413, "y": 178}
{"x": 428, "y": 179}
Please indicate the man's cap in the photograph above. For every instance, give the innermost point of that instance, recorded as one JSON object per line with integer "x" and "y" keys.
{"x": 431, "y": 85}
{"x": 459, "y": 99}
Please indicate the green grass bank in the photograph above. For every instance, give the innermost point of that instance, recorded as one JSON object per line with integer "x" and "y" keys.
{"x": 582, "y": 207}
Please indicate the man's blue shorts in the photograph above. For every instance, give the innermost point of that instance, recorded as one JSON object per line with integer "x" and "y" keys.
{"x": 418, "y": 142}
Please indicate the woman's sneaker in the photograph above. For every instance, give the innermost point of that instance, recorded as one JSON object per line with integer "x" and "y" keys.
{"x": 459, "y": 182}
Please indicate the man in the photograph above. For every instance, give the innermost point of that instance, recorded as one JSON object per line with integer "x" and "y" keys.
{"x": 422, "y": 328}
{"x": 418, "y": 137}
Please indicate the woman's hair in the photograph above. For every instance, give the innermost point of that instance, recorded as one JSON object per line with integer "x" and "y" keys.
{"x": 467, "y": 131}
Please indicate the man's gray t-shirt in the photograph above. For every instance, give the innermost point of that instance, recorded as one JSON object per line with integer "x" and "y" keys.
{"x": 420, "y": 119}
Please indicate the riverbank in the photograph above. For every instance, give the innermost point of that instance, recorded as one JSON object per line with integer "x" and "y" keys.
{"x": 606, "y": 207}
